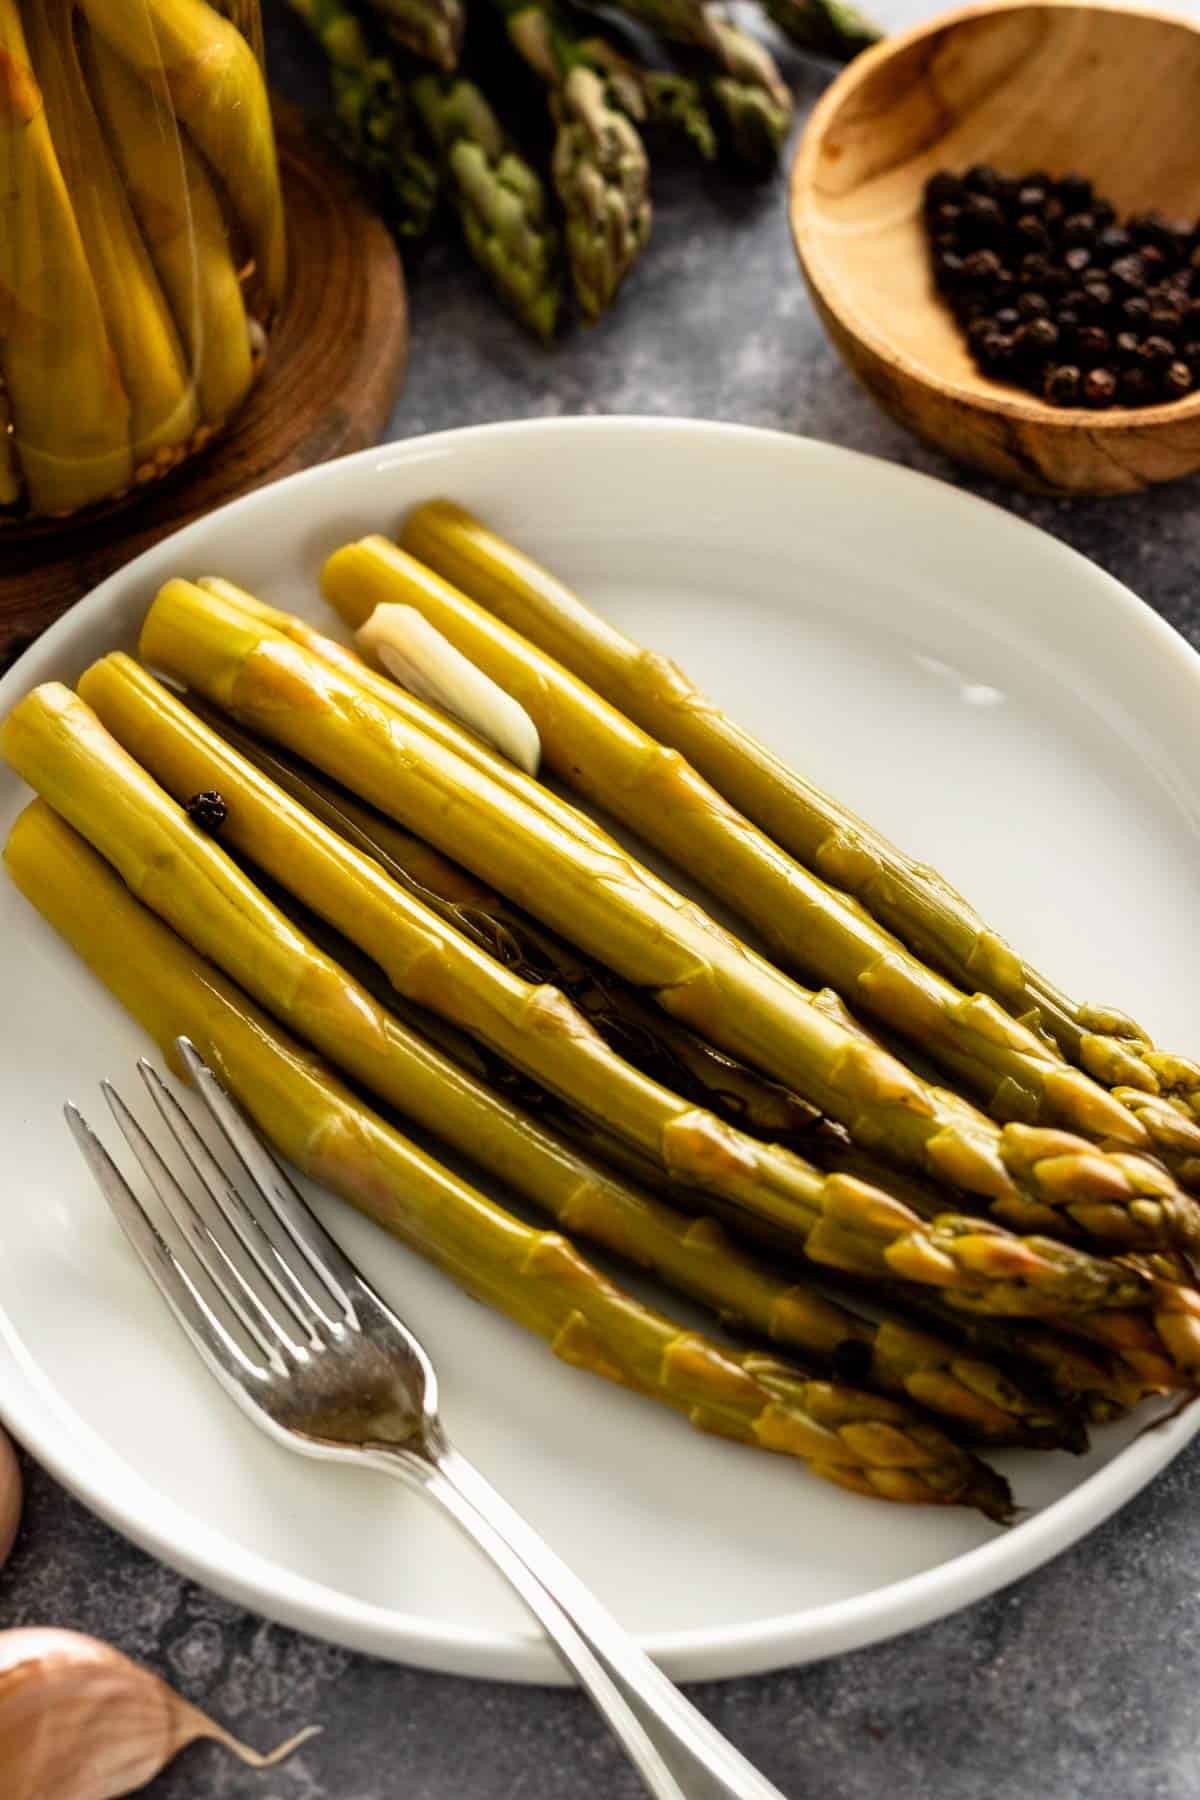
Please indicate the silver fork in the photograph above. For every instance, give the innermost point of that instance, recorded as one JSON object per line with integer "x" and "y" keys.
{"x": 310, "y": 1352}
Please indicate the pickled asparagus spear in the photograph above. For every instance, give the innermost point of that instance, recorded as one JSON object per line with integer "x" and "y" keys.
{"x": 804, "y": 923}
{"x": 535, "y": 1277}
{"x": 141, "y": 329}
{"x": 187, "y": 52}
{"x": 58, "y": 743}
{"x": 639, "y": 1032}
{"x": 906, "y": 896}
{"x": 183, "y": 228}
{"x": 70, "y": 411}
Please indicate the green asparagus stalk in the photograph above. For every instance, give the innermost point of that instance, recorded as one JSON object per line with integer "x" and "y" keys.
{"x": 374, "y": 116}
{"x": 58, "y": 743}
{"x": 600, "y": 899}
{"x": 906, "y": 896}
{"x": 601, "y": 170}
{"x": 603, "y": 755}
{"x": 653, "y": 96}
{"x": 834, "y": 28}
{"x": 638, "y": 1032}
{"x": 805, "y": 922}
{"x": 536, "y": 1278}
{"x": 748, "y": 92}
{"x": 499, "y": 198}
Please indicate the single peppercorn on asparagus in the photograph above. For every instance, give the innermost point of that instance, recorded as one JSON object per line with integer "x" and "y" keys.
{"x": 601, "y": 900}
{"x": 58, "y": 743}
{"x": 70, "y": 411}
{"x": 837, "y": 847}
{"x": 183, "y": 227}
{"x": 535, "y": 1277}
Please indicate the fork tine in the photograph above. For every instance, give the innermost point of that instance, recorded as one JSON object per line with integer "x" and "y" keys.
{"x": 221, "y": 1353}
{"x": 266, "y": 1248}
{"x": 256, "y": 1320}
{"x": 294, "y": 1214}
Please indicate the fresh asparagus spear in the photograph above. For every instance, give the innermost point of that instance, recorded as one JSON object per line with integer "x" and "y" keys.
{"x": 653, "y": 96}
{"x": 70, "y": 410}
{"x": 186, "y": 48}
{"x": 374, "y": 116}
{"x": 58, "y": 743}
{"x": 906, "y": 896}
{"x": 747, "y": 90}
{"x": 601, "y": 171}
{"x": 431, "y": 29}
{"x": 601, "y": 753}
{"x": 804, "y": 922}
{"x": 834, "y": 28}
{"x": 498, "y": 196}
{"x": 535, "y": 1277}
{"x": 162, "y": 398}
{"x": 183, "y": 227}
{"x": 599, "y": 898}
{"x": 638, "y": 1032}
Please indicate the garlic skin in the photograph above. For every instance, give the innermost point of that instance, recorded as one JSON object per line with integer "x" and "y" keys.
{"x": 10, "y": 1499}
{"x": 79, "y": 1721}
{"x": 416, "y": 655}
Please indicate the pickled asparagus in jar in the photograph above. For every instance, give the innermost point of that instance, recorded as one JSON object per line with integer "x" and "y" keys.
{"x": 142, "y": 245}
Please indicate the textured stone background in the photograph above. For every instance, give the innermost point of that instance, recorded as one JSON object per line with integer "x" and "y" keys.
{"x": 1083, "y": 1680}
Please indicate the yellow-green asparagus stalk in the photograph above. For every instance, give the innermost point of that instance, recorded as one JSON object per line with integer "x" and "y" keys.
{"x": 186, "y": 51}
{"x": 140, "y": 326}
{"x": 58, "y": 743}
{"x": 601, "y": 900}
{"x": 70, "y": 411}
{"x": 184, "y": 229}
{"x": 651, "y": 789}
{"x": 639, "y": 1032}
{"x": 536, "y": 1278}
{"x": 906, "y": 896}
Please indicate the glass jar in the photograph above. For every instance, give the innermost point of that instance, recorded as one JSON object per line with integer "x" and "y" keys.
{"x": 142, "y": 246}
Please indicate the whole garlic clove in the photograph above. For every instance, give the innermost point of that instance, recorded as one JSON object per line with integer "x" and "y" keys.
{"x": 416, "y": 655}
{"x": 79, "y": 1721}
{"x": 10, "y": 1497}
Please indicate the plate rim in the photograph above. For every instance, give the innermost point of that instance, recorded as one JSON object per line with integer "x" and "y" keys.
{"x": 108, "y": 1485}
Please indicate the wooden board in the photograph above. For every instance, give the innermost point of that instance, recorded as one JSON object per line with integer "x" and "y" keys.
{"x": 336, "y": 359}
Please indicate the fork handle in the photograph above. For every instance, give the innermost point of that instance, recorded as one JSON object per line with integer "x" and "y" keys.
{"x": 677, "y": 1752}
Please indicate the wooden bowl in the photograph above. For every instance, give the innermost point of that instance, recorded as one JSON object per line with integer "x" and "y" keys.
{"x": 1109, "y": 92}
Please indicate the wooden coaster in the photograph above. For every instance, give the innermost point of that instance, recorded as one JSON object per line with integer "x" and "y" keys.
{"x": 334, "y": 366}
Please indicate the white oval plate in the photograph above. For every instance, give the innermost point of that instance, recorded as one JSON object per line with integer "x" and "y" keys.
{"x": 985, "y": 695}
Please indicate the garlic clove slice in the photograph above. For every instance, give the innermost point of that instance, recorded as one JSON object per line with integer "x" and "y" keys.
{"x": 79, "y": 1721}
{"x": 10, "y": 1498}
{"x": 416, "y": 655}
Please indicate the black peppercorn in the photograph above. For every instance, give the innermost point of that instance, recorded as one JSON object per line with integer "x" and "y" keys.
{"x": 949, "y": 270}
{"x": 1127, "y": 344}
{"x": 1111, "y": 243}
{"x": 1103, "y": 214}
{"x": 1153, "y": 261}
{"x": 1077, "y": 259}
{"x": 1096, "y": 299}
{"x": 1074, "y": 191}
{"x": 1136, "y": 310}
{"x": 1008, "y": 318}
{"x": 981, "y": 178}
{"x": 1092, "y": 343}
{"x": 1191, "y": 355}
{"x": 941, "y": 189}
{"x": 1156, "y": 352}
{"x": 207, "y": 811}
{"x": 981, "y": 265}
{"x": 1031, "y": 233}
{"x": 1032, "y": 305}
{"x": 1165, "y": 318}
{"x": 1079, "y": 228}
{"x": 1151, "y": 228}
{"x": 1038, "y": 337}
{"x": 1031, "y": 197}
{"x": 981, "y": 215}
{"x": 996, "y": 353}
{"x": 1134, "y": 387}
{"x": 1129, "y": 272}
{"x": 1177, "y": 380}
{"x": 979, "y": 330}
{"x": 1099, "y": 388}
{"x": 1061, "y": 384}
{"x": 948, "y": 217}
